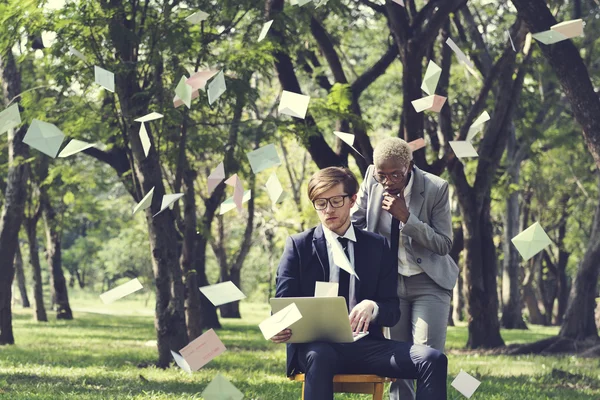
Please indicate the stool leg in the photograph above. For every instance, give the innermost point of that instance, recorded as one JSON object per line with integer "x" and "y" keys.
{"x": 378, "y": 391}
{"x": 302, "y": 390}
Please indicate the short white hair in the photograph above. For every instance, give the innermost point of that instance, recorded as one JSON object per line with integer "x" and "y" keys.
{"x": 392, "y": 149}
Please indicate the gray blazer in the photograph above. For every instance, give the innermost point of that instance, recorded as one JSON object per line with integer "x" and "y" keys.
{"x": 429, "y": 224}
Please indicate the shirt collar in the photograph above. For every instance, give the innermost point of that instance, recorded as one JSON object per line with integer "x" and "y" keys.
{"x": 330, "y": 235}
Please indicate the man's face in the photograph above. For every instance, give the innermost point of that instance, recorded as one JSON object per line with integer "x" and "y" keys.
{"x": 393, "y": 175}
{"x": 336, "y": 214}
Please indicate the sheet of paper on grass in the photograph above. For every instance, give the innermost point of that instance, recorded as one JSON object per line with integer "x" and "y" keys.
{"x": 216, "y": 88}
{"x": 430, "y": 103}
{"x": 221, "y": 389}
{"x": 417, "y": 144}
{"x": 477, "y": 125}
{"x": 149, "y": 117}
{"x": 184, "y": 92}
{"x": 463, "y": 149}
{"x": 465, "y": 384}
{"x": 274, "y": 189}
{"x": 347, "y": 138}
{"x": 75, "y": 146}
{"x": 238, "y": 190}
{"x": 431, "y": 79}
{"x": 340, "y": 259}
{"x": 229, "y": 204}
{"x": 10, "y": 118}
{"x": 77, "y": 54}
{"x": 202, "y": 350}
{"x": 222, "y": 293}
{"x": 145, "y": 202}
{"x": 180, "y": 361}
{"x": 263, "y": 158}
{"x": 44, "y": 137}
{"x": 326, "y": 289}
{"x": 168, "y": 201}
{"x": 531, "y": 241}
{"x": 293, "y": 104}
{"x": 216, "y": 176}
{"x": 104, "y": 78}
{"x": 197, "y": 17}
{"x": 279, "y": 321}
{"x": 265, "y": 29}
{"x": 145, "y": 139}
{"x": 121, "y": 291}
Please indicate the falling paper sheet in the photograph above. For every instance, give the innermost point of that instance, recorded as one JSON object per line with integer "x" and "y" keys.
{"x": 77, "y": 54}
{"x": 340, "y": 259}
{"x": 216, "y": 177}
{"x": 417, "y": 144}
{"x": 570, "y": 29}
{"x": 347, "y": 138}
{"x": 168, "y": 201}
{"x": 181, "y": 362}
{"x": 401, "y": 2}
{"x": 145, "y": 139}
{"x": 199, "y": 79}
{"x": 465, "y": 384}
{"x": 222, "y": 293}
{"x": 293, "y": 104}
{"x": 274, "y": 189}
{"x": 44, "y": 137}
{"x": 177, "y": 102}
{"x": 265, "y": 30}
{"x": 477, "y": 126}
{"x": 459, "y": 53}
{"x": 216, "y": 88}
{"x": 10, "y": 118}
{"x": 202, "y": 350}
{"x": 121, "y": 291}
{"x": 531, "y": 241}
{"x": 229, "y": 205}
{"x": 104, "y": 78}
{"x": 197, "y": 17}
{"x": 149, "y": 117}
{"x": 221, "y": 389}
{"x": 511, "y": 41}
{"x": 279, "y": 321}
{"x": 549, "y": 37}
{"x": 463, "y": 149}
{"x": 431, "y": 79}
{"x": 145, "y": 202}
{"x": 299, "y": 2}
{"x": 184, "y": 92}
{"x": 326, "y": 289}
{"x": 75, "y": 146}
{"x": 430, "y": 103}
{"x": 263, "y": 158}
{"x": 238, "y": 192}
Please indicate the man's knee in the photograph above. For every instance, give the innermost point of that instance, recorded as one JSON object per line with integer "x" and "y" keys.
{"x": 435, "y": 357}
{"x": 320, "y": 356}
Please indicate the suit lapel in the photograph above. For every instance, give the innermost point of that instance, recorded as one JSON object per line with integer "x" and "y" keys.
{"x": 320, "y": 248}
{"x": 416, "y": 197}
{"x": 360, "y": 262}
{"x": 375, "y": 207}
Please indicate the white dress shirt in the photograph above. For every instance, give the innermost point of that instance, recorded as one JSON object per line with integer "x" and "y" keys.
{"x": 406, "y": 261}
{"x": 334, "y": 270}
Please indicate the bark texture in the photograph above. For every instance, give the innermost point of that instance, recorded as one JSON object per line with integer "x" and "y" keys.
{"x": 21, "y": 278}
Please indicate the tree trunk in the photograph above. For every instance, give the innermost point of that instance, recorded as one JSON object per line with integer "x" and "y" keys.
{"x": 562, "y": 280}
{"x": 512, "y": 316}
{"x": 531, "y": 301}
{"x": 458, "y": 300}
{"x": 579, "y": 322}
{"x": 60, "y": 294}
{"x": 231, "y": 310}
{"x": 21, "y": 278}
{"x": 14, "y": 198}
{"x": 34, "y": 259}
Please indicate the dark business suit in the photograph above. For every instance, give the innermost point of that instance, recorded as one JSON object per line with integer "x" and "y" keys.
{"x": 305, "y": 261}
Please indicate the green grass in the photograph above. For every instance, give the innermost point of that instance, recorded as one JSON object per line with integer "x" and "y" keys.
{"x": 96, "y": 356}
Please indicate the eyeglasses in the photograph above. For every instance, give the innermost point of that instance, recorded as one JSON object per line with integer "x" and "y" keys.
{"x": 392, "y": 178}
{"x": 335, "y": 202}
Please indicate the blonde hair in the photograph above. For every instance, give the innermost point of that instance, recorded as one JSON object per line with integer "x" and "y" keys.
{"x": 327, "y": 178}
{"x": 392, "y": 149}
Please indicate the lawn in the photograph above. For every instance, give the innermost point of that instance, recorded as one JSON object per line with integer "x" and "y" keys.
{"x": 96, "y": 356}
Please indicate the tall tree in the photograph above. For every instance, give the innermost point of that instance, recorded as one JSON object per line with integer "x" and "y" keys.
{"x": 20, "y": 275}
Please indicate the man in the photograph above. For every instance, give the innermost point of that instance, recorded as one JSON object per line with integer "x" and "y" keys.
{"x": 411, "y": 209}
{"x": 372, "y": 299}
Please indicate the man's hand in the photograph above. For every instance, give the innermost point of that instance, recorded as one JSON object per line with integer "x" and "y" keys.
{"x": 282, "y": 336}
{"x": 361, "y": 315}
{"x": 396, "y": 205}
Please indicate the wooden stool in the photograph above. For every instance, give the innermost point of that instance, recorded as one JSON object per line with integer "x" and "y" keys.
{"x": 354, "y": 383}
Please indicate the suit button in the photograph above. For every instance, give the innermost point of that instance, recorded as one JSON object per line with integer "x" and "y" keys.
{"x": 418, "y": 261}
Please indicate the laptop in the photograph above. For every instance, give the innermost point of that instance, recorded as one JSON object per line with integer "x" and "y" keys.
{"x": 324, "y": 319}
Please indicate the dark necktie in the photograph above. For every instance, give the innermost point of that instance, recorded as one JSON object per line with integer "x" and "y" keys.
{"x": 395, "y": 239}
{"x": 344, "y": 281}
